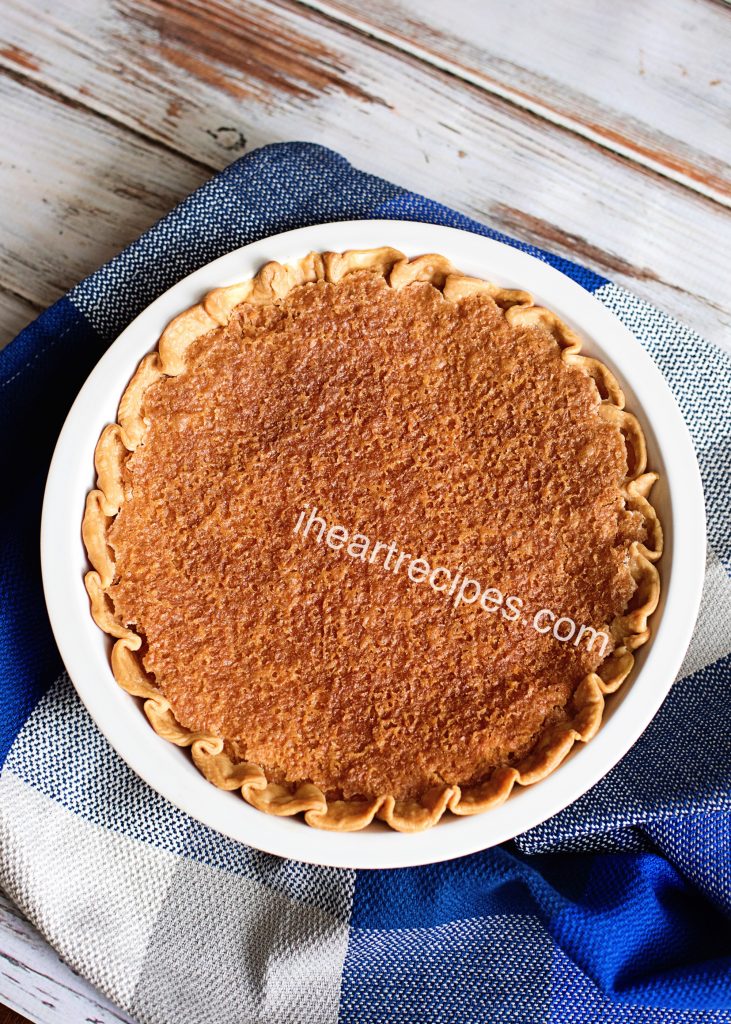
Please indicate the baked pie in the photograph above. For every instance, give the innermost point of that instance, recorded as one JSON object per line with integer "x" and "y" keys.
{"x": 285, "y": 436}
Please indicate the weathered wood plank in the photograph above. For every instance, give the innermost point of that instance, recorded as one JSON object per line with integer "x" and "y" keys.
{"x": 203, "y": 77}
{"x": 78, "y": 189}
{"x": 650, "y": 81}
{"x": 38, "y": 984}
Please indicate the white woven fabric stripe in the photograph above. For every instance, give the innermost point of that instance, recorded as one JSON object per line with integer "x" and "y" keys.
{"x": 226, "y": 948}
{"x": 146, "y": 926}
{"x": 712, "y": 636}
{"x": 142, "y": 917}
{"x": 94, "y": 893}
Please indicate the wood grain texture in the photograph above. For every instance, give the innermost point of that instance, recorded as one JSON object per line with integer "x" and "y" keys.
{"x": 37, "y": 984}
{"x": 651, "y": 81}
{"x": 95, "y": 188}
{"x": 206, "y": 80}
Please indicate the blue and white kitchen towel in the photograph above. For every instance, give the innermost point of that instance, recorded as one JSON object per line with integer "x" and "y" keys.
{"x": 617, "y": 909}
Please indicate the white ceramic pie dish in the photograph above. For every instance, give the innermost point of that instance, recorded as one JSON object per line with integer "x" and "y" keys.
{"x": 678, "y": 498}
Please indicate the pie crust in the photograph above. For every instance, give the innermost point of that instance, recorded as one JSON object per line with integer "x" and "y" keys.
{"x": 271, "y": 287}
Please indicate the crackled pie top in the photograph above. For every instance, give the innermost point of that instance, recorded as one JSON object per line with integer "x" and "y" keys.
{"x": 447, "y": 427}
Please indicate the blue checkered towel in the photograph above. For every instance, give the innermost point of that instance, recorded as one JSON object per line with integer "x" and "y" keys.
{"x": 617, "y": 909}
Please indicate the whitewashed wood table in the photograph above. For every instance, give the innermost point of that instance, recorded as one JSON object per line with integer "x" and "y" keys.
{"x": 599, "y": 130}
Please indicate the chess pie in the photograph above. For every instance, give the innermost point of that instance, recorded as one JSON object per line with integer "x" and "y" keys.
{"x": 287, "y": 434}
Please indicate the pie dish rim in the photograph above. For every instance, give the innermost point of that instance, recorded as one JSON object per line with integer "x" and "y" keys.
{"x": 575, "y": 304}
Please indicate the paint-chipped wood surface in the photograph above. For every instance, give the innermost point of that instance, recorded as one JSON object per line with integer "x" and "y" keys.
{"x": 599, "y": 130}
{"x": 113, "y": 110}
{"x": 638, "y": 79}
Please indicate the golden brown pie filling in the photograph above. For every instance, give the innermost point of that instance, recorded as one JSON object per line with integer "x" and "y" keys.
{"x": 454, "y": 422}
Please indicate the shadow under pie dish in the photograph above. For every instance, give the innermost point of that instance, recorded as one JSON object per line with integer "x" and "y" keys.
{"x": 417, "y": 407}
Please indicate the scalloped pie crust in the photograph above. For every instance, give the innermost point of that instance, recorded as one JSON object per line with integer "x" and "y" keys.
{"x": 408, "y": 403}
